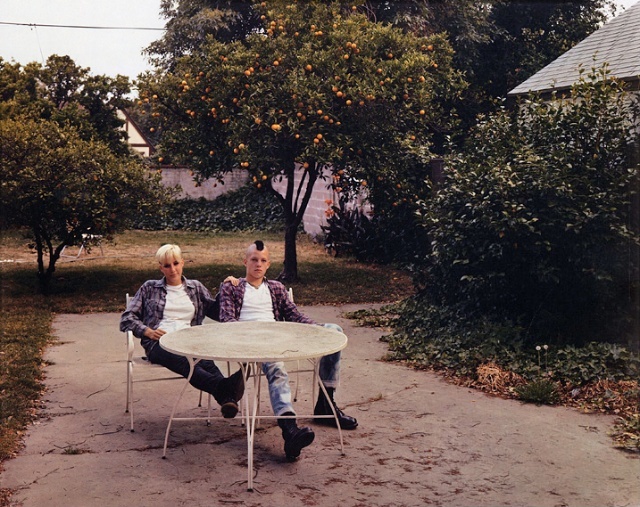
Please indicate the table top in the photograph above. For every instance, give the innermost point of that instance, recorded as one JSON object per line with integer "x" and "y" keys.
{"x": 254, "y": 341}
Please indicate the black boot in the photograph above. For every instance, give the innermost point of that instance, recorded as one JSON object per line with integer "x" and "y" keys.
{"x": 324, "y": 408}
{"x": 295, "y": 439}
{"x": 229, "y": 392}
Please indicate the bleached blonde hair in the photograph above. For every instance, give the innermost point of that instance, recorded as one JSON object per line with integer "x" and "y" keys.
{"x": 168, "y": 252}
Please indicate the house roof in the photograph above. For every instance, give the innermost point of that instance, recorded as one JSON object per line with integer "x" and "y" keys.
{"x": 617, "y": 43}
{"x": 135, "y": 136}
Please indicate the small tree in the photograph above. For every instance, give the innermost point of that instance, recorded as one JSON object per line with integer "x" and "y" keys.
{"x": 60, "y": 186}
{"x": 531, "y": 225}
{"x": 320, "y": 88}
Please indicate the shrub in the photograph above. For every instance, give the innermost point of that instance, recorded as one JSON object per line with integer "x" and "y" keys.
{"x": 438, "y": 337}
{"x": 531, "y": 224}
{"x": 389, "y": 236}
{"x": 245, "y": 209}
{"x": 541, "y": 391}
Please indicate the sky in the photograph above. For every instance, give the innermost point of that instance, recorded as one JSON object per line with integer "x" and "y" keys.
{"x": 107, "y": 52}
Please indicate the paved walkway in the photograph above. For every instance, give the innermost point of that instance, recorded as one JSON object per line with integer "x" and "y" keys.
{"x": 420, "y": 442}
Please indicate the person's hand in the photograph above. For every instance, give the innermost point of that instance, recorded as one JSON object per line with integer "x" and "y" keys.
{"x": 233, "y": 280}
{"x": 154, "y": 334}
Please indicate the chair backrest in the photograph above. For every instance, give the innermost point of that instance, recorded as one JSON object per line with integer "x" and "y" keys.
{"x": 216, "y": 307}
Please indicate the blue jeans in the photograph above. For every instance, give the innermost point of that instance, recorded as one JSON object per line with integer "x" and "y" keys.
{"x": 278, "y": 378}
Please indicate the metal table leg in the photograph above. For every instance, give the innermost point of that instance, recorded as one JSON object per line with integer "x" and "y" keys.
{"x": 192, "y": 365}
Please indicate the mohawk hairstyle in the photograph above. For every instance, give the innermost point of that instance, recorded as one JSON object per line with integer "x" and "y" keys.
{"x": 259, "y": 245}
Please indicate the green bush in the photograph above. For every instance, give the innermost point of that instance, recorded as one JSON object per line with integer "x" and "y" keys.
{"x": 540, "y": 391}
{"x": 531, "y": 224}
{"x": 245, "y": 209}
{"x": 392, "y": 236}
{"x": 438, "y": 337}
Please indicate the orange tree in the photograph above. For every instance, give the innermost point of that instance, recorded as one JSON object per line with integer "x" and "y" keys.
{"x": 320, "y": 88}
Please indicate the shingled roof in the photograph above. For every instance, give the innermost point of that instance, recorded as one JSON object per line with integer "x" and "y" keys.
{"x": 616, "y": 43}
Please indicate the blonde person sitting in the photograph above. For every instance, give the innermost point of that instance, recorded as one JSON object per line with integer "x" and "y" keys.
{"x": 175, "y": 302}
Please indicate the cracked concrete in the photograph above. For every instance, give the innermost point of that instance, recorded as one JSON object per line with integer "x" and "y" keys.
{"x": 421, "y": 441}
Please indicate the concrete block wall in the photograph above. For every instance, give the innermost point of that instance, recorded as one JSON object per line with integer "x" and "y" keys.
{"x": 315, "y": 215}
{"x": 209, "y": 189}
{"x": 314, "y": 218}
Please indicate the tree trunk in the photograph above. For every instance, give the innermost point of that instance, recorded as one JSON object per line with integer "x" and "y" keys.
{"x": 289, "y": 271}
{"x": 295, "y": 203}
{"x": 45, "y": 275}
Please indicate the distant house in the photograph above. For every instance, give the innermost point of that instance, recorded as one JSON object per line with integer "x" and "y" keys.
{"x": 136, "y": 138}
{"x": 616, "y": 43}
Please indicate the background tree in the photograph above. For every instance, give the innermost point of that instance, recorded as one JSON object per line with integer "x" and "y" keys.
{"x": 62, "y": 92}
{"x": 322, "y": 89}
{"x": 59, "y": 186}
{"x": 66, "y": 167}
{"x": 499, "y": 43}
{"x": 190, "y": 22}
{"x": 530, "y": 35}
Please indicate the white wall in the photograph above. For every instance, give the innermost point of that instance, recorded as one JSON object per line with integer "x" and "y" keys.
{"x": 209, "y": 189}
{"x": 314, "y": 218}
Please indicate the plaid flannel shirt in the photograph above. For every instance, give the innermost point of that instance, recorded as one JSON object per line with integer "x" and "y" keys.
{"x": 147, "y": 306}
{"x": 231, "y": 298}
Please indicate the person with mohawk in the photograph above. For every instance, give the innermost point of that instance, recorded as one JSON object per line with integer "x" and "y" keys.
{"x": 255, "y": 298}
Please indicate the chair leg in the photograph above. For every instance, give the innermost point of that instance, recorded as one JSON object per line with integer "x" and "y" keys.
{"x": 295, "y": 394}
{"x": 126, "y": 408}
{"x": 130, "y": 394}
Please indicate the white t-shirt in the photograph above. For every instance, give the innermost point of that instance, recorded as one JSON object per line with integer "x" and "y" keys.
{"x": 178, "y": 310}
{"x": 257, "y": 305}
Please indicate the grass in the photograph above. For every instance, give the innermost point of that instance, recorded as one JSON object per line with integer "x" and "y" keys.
{"x": 94, "y": 283}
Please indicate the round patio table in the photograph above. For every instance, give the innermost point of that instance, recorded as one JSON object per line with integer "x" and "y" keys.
{"x": 250, "y": 344}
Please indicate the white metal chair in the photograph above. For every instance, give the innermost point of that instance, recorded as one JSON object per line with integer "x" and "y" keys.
{"x": 88, "y": 239}
{"x": 132, "y": 359}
